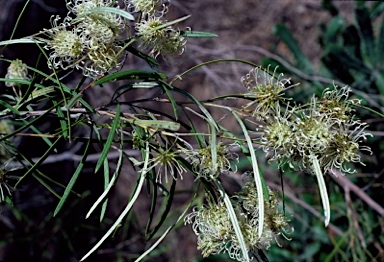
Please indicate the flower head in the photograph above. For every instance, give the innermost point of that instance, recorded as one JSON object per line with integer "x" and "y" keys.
{"x": 215, "y": 232}
{"x": 203, "y": 164}
{"x": 344, "y": 148}
{"x": 67, "y": 46}
{"x": 164, "y": 157}
{"x": 104, "y": 27}
{"x": 102, "y": 58}
{"x": 161, "y": 40}
{"x": 265, "y": 89}
{"x": 336, "y": 105}
{"x": 147, "y": 7}
{"x": 16, "y": 70}
{"x": 324, "y": 128}
{"x": 212, "y": 225}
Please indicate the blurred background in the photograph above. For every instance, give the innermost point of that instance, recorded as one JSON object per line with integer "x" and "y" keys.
{"x": 316, "y": 43}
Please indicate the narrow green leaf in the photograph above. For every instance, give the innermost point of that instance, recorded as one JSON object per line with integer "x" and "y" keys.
{"x": 108, "y": 143}
{"x": 130, "y": 74}
{"x": 74, "y": 100}
{"x": 333, "y": 29}
{"x": 31, "y": 88}
{"x": 41, "y": 160}
{"x": 50, "y": 189}
{"x": 8, "y": 106}
{"x": 235, "y": 222}
{"x": 166, "y": 211}
{"x": 63, "y": 122}
{"x": 197, "y": 34}
{"x": 21, "y": 41}
{"x": 173, "y": 102}
{"x": 17, "y": 81}
{"x": 197, "y": 102}
{"x": 323, "y": 189}
{"x": 154, "y": 245}
{"x": 129, "y": 205}
{"x": 106, "y": 182}
{"x": 109, "y": 185}
{"x": 152, "y": 209}
{"x": 74, "y": 177}
{"x": 256, "y": 174}
{"x": 213, "y": 147}
{"x": 105, "y": 9}
{"x": 150, "y": 60}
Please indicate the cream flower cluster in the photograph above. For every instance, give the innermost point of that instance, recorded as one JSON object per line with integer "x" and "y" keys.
{"x": 203, "y": 164}
{"x": 88, "y": 40}
{"x": 16, "y": 70}
{"x": 325, "y": 128}
{"x": 152, "y": 30}
{"x": 160, "y": 39}
{"x": 215, "y": 233}
{"x": 85, "y": 39}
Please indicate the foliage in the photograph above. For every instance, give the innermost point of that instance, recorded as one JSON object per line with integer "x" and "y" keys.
{"x": 163, "y": 138}
{"x": 352, "y": 55}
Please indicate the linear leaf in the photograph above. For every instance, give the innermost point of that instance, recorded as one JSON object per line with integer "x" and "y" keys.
{"x": 322, "y": 189}
{"x": 197, "y": 102}
{"x": 8, "y": 106}
{"x": 21, "y": 41}
{"x": 50, "y": 189}
{"x": 73, "y": 178}
{"x": 256, "y": 174}
{"x": 63, "y": 122}
{"x": 154, "y": 245}
{"x": 106, "y": 182}
{"x": 166, "y": 211}
{"x": 129, "y": 205}
{"x": 235, "y": 222}
{"x": 286, "y": 36}
{"x": 109, "y": 186}
{"x": 153, "y": 207}
{"x": 130, "y": 74}
{"x": 173, "y": 102}
{"x": 197, "y": 34}
{"x": 108, "y": 143}
{"x": 106, "y": 9}
{"x": 41, "y": 160}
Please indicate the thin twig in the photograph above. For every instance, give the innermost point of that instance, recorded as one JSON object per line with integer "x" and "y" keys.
{"x": 345, "y": 183}
{"x": 352, "y": 213}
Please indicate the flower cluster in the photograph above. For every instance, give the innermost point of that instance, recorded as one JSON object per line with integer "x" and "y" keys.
{"x": 159, "y": 38}
{"x": 215, "y": 233}
{"x": 147, "y": 7}
{"x": 88, "y": 39}
{"x": 202, "y": 162}
{"x": 164, "y": 158}
{"x": 266, "y": 90}
{"x": 85, "y": 39}
{"x": 326, "y": 128}
{"x": 16, "y": 70}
